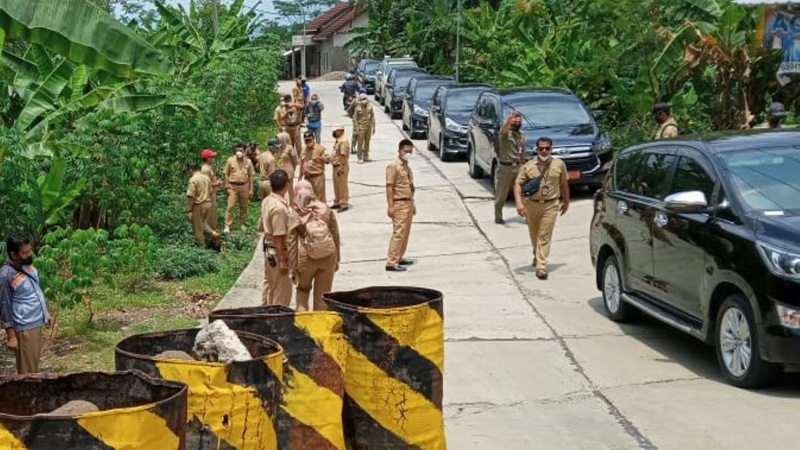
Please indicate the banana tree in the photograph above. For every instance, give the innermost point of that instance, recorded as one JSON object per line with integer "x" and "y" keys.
{"x": 49, "y": 198}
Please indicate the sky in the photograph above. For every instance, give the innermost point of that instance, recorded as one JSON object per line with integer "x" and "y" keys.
{"x": 265, "y": 7}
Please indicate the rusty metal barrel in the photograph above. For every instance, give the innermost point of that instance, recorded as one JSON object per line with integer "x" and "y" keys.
{"x": 231, "y": 406}
{"x": 315, "y": 347}
{"x": 395, "y": 366}
{"x": 134, "y": 412}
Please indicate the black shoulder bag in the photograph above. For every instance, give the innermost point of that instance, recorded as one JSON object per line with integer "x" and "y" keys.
{"x": 532, "y": 186}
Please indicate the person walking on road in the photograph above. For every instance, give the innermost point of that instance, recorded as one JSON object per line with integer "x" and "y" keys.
{"x": 364, "y": 127}
{"x": 314, "y": 116}
{"x": 539, "y": 185}
{"x": 313, "y": 168}
{"x": 667, "y": 126}
{"x": 266, "y": 165}
{"x": 288, "y": 161}
{"x": 510, "y": 158}
{"x": 401, "y": 208}
{"x": 209, "y": 171}
{"x": 775, "y": 115}
{"x": 23, "y": 305}
{"x": 313, "y": 247}
{"x": 238, "y": 177}
{"x": 277, "y": 286}
{"x": 341, "y": 170}
{"x": 199, "y": 205}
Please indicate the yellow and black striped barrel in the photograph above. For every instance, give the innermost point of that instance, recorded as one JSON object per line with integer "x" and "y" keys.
{"x": 395, "y": 367}
{"x": 311, "y": 414}
{"x": 231, "y": 406}
{"x": 135, "y": 412}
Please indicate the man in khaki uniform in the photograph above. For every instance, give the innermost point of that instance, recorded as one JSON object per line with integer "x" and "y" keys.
{"x": 297, "y": 93}
{"x": 279, "y": 116}
{"x": 510, "y": 157}
{"x": 294, "y": 118}
{"x": 199, "y": 204}
{"x": 209, "y": 171}
{"x": 313, "y": 168}
{"x": 667, "y": 127}
{"x": 401, "y": 208}
{"x": 277, "y": 287}
{"x": 288, "y": 161}
{"x": 364, "y": 125}
{"x": 238, "y": 177}
{"x": 266, "y": 165}
{"x": 341, "y": 170}
{"x": 541, "y": 207}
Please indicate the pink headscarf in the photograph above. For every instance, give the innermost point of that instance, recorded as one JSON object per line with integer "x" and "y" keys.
{"x": 302, "y": 185}
{"x": 306, "y": 205}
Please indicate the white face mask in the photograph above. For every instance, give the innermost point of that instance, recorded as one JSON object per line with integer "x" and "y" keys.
{"x": 239, "y": 154}
{"x": 404, "y": 156}
{"x": 544, "y": 158}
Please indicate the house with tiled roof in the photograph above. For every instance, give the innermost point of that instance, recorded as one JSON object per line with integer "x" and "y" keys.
{"x": 325, "y": 37}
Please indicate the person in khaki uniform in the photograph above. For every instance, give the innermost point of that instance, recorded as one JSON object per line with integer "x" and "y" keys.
{"x": 341, "y": 170}
{"x": 401, "y": 208}
{"x": 199, "y": 204}
{"x": 667, "y": 127}
{"x": 209, "y": 171}
{"x": 279, "y": 116}
{"x": 288, "y": 161}
{"x": 310, "y": 273}
{"x": 541, "y": 208}
{"x": 313, "y": 168}
{"x": 239, "y": 173}
{"x": 297, "y": 93}
{"x": 511, "y": 156}
{"x": 364, "y": 126}
{"x": 277, "y": 286}
{"x": 294, "y": 118}
{"x": 266, "y": 165}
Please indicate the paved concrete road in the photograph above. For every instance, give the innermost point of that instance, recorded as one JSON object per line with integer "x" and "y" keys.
{"x": 536, "y": 364}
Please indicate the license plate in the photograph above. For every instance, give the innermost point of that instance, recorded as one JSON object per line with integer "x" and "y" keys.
{"x": 574, "y": 174}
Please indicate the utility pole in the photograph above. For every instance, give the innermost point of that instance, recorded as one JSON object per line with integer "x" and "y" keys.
{"x": 458, "y": 39}
{"x": 215, "y": 15}
{"x": 303, "y": 57}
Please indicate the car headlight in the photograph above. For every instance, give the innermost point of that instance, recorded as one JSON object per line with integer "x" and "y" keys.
{"x": 452, "y": 125}
{"x": 420, "y": 111}
{"x": 789, "y": 317}
{"x": 602, "y": 145}
{"x": 782, "y": 263}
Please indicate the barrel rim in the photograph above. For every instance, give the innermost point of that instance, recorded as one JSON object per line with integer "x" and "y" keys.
{"x": 181, "y": 390}
{"x": 233, "y": 313}
{"x": 432, "y": 294}
{"x": 278, "y": 353}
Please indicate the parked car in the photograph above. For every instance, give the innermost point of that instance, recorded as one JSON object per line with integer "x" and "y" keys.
{"x": 555, "y": 113}
{"x": 448, "y": 122}
{"x": 704, "y": 235}
{"x": 385, "y": 65}
{"x": 417, "y": 103}
{"x": 391, "y": 74}
{"x": 365, "y": 74}
{"x": 396, "y": 87}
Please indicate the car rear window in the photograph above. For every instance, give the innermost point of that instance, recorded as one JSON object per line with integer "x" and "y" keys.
{"x": 766, "y": 179}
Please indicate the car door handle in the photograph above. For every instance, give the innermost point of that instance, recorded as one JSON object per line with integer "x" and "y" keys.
{"x": 622, "y": 206}
{"x": 661, "y": 220}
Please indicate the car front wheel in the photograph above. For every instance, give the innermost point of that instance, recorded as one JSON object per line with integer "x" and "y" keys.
{"x": 737, "y": 346}
{"x": 617, "y": 309}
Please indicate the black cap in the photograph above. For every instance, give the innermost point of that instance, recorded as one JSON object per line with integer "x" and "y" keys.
{"x": 777, "y": 110}
{"x": 274, "y": 143}
{"x": 661, "y": 106}
{"x": 308, "y": 135}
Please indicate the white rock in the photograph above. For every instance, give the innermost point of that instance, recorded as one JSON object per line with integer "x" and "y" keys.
{"x": 72, "y": 408}
{"x": 218, "y": 343}
{"x": 174, "y": 354}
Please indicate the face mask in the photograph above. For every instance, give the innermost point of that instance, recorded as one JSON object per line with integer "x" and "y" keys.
{"x": 404, "y": 156}
{"x": 364, "y": 102}
{"x": 544, "y": 158}
{"x": 239, "y": 154}
{"x": 516, "y": 127}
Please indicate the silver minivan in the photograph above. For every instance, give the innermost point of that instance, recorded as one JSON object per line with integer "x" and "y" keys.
{"x": 380, "y": 74}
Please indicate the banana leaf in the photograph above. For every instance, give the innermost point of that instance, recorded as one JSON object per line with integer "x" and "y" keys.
{"x": 46, "y": 96}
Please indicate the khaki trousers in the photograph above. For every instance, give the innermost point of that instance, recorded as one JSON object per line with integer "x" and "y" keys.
{"x": 240, "y": 194}
{"x": 264, "y": 189}
{"x": 504, "y": 183}
{"x": 341, "y": 191}
{"x": 213, "y": 213}
{"x": 318, "y": 185}
{"x": 29, "y": 352}
{"x": 277, "y": 287}
{"x": 541, "y": 218}
{"x": 362, "y": 141}
{"x": 403, "y": 214}
{"x": 316, "y": 274}
{"x": 290, "y": 191}
{"x": 297, "y": 141}
{"x": 200, "y": 226}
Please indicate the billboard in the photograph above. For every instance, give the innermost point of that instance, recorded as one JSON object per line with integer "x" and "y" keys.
{"x": 782, "y": 31}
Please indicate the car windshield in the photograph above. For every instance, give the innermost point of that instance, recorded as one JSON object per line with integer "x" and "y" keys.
{"x": 550, "y": 112}
{"x": 370, "y": 68}
{"x": 392, "y": 68}
{"x": 463, "y": 100}
{"x": 424, "y": 95}
{"x": 768, "y": 180}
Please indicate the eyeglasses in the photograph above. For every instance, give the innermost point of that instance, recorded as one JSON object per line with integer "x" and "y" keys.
{"x": 544, "y": 148}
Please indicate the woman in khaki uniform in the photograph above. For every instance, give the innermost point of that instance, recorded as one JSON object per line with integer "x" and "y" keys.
{"x": 311, "y": 273}
{"x": 288, "y": 161}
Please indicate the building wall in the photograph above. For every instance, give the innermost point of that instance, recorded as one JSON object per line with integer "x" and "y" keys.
{"x": 333, "y": 58}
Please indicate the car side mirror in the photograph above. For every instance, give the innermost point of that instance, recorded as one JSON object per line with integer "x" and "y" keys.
{"x": 436, "y": 109}
{"x": 687, "y": 202}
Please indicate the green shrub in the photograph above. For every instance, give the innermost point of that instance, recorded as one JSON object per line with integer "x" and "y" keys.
{"x": 183, "y": 261}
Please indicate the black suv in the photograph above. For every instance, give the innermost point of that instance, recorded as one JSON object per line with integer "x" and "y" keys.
{"x": 365, "y": 74}
{"x": 417, "y": 103}
{"x": 448, "y": 121}
{"x": 396, "y": 87}
{"x": 704, "y": 235}
{"x": 555, "y": 113}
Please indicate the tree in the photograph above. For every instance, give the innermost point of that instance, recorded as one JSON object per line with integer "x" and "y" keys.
{"x": 302, "y": 10}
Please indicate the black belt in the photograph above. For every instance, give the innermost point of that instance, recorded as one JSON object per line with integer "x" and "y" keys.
{"x": 541, "y": 201}
{"x": 402, "y": 200}
{"x": 508, "y": 163}
{"x": 239, "y": 184}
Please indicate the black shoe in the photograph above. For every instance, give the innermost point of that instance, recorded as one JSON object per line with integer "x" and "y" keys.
{"x": 541, "y": 274}
{"x": 337, "y": 207}
{"x": 406, "y": 262}
{"x": 499, "y": 221}
{"x": 395, "y": 269}
{"x": 343, "y": 208}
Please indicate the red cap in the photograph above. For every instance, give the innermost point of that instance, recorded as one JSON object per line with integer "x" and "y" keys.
{"x": 208, "y": 154}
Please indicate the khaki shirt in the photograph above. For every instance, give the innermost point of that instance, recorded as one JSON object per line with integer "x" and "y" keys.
{"x": 294, "y": 116}
{"x": 288, "y": 161}
{"x": 266, "y": 165}
{"x": 511, "y": 144}
{"x": 363, "y": 118}
{"x": 313, "y": 167}
{"x": 550, "y": 187}
{"x": 238, "y": 171}
{"x": 199, "y": 188}
{"x": 668, "y": 129}
{"x": 341, "y": 152}
{"x": 297, "y": 94}
{"x": 279, "y": 117}
{"x": 274, "y": 217}
{"x": 208, "y": 170}
{"x": 399, "y": 176}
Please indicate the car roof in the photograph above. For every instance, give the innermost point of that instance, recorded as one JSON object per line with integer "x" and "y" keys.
{"x": 465, "y": 86}
{"x": 434, "y": 78}
{"x": 728, "y": 141}
{"x": 532, "y": 92}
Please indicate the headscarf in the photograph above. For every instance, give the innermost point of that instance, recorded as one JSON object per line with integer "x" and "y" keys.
{"x": 284, "y": 138}
{"x": 303, "y": 185}
{"x": 306, "y": 205}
